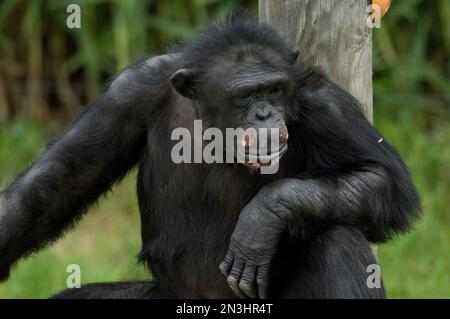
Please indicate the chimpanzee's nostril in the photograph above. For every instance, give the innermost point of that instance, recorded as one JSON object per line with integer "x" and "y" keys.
{"x": 263, "y": 114}
{"x": 247, "y": 141}
{"x": 283, "y": 136}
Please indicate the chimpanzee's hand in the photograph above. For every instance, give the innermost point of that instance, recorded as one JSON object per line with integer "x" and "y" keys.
{"x": 253, "y": 244}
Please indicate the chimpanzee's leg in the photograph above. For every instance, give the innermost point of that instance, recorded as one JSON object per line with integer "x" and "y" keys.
{"x": 330, "y": 264}
{"x": 116, "y": 290}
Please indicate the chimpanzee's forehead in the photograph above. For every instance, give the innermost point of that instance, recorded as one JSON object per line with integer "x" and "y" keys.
{"x": 256, "y": 76}
{"x": 227, "y": 73}
{"x": 247, "y": 57}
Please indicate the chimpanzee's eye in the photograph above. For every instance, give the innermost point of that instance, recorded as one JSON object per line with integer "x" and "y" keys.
{"x": 243, "y": 97}
{"x": 275, "y": 92}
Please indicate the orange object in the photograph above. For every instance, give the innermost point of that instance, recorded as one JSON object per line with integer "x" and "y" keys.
{"x": 383, "y": 4}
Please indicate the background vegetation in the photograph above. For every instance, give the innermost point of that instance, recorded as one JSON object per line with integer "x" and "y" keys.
{"x": 48, "y": 71}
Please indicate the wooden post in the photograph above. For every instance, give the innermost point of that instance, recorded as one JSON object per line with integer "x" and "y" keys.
{"x": 331, "y": 34}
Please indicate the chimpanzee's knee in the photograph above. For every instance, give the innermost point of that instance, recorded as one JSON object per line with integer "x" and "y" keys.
{"x": 333, "y": 263}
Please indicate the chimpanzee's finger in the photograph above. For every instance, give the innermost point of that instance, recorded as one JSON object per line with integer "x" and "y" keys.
{"x": 226, "y": 264}
{"x": 262, "y": 280}
{"x": 247, "y": 284}
{"x": 235, "y": 276}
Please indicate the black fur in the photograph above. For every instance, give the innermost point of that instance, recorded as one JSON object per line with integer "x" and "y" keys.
{"x": 189, "y": 211}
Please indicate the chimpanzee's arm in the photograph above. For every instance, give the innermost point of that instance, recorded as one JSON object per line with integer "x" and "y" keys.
{"x": 350, "y": 176}
{"x": 353, "y": 176}
{"x": 367, "y": 197}
{"x": 99, "y": 149}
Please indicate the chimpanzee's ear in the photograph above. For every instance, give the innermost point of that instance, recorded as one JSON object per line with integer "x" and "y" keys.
{"x": 293, "y": 56}
{"x": 183, "y": 82}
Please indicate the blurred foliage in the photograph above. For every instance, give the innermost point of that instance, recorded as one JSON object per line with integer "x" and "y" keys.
{"x": 412, "y": 58}
{"x": 48, "y": 71}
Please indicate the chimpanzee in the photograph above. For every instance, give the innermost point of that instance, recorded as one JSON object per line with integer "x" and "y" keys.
{"x": 221, "y": 230}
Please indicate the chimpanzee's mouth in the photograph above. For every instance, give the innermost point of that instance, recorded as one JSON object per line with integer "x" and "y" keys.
{"x": 262, "y": 160}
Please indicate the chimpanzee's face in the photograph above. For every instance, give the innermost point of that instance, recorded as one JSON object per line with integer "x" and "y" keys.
{"x": 247, "y": 92}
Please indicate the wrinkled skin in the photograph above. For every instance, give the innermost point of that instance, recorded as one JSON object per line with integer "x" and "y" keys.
{"x": 252, "y": 247}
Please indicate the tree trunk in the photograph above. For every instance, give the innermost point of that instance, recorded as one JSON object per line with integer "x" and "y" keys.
{"x": 331, "y": 34}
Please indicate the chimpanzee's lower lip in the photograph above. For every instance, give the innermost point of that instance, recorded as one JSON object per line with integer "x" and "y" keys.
{"x": 263, "y": 160}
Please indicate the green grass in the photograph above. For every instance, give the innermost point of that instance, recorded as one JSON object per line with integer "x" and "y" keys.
{"x": 418, "y": 265}
{"x": 107, "y": 240}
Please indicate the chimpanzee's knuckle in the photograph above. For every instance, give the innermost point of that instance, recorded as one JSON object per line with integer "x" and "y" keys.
{"x": 247, "y": 288}
{"x": 223, "y": 267}
{"x": 232, "y": 281}
{"x": 261, "y": 279}
{"x": 243, "y": 285}
{"x": 235, "y": 273}
{"x": 248, "y": 276}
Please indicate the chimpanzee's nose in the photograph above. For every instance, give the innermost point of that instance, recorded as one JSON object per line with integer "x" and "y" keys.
{"x": 263, "y": 114}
